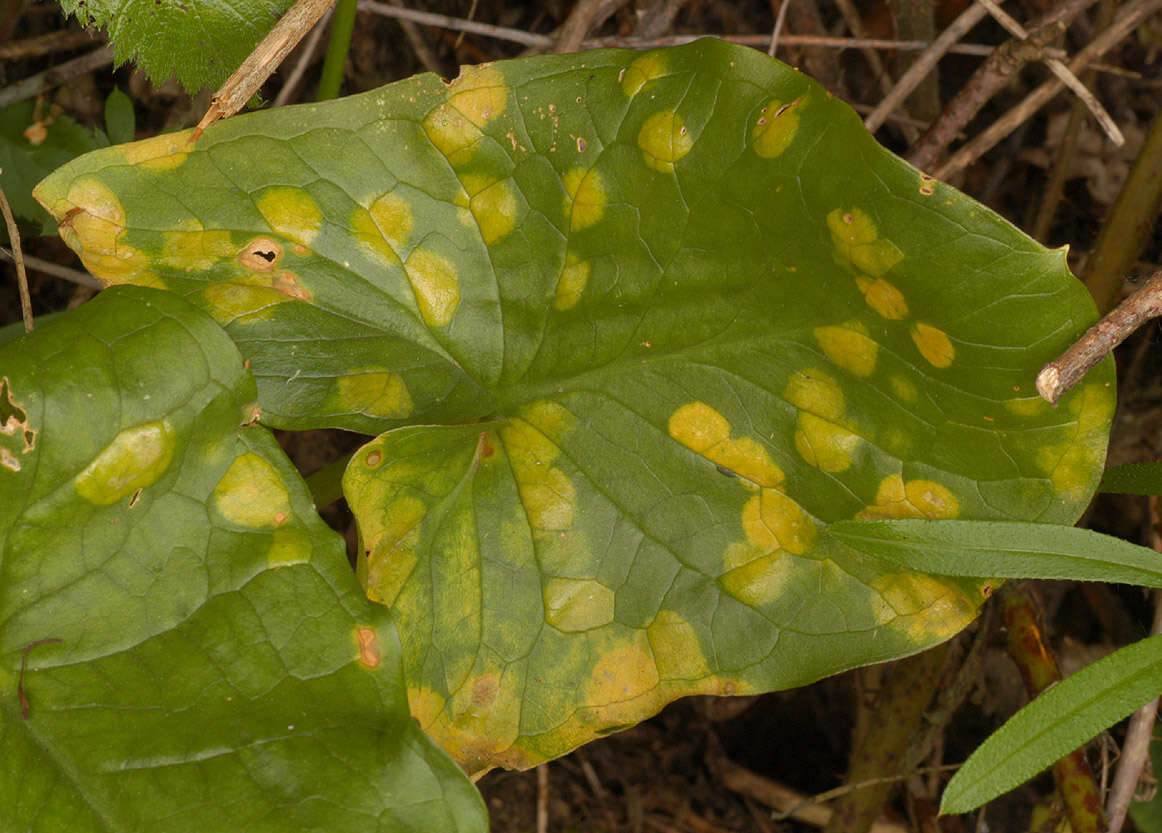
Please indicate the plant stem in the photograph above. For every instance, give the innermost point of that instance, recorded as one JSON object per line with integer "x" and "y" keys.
{"x": 326, "y": 484}
{"x": 18, "y": 261}
{"x": 342, "y": 25}
{"x": 1133, "y": 216}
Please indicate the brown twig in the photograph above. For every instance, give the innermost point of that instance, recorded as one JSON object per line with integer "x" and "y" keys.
{"x": 543, "y": 798}
{"x": 924, "y": 63}
{"x": 777, "y": 29}
{"x": 18, "y": 261}
{"x": 56, "y": 270}
{"x": 916, "y": 19}
{"x": 45, "y": 44}
{"x": 1062, "y": 72}
{"x": 1133, "y": 13}
{"x": 1061, "y": 374}
{"x": 1136, "y": 749}
{"x": 25, "y": 706}
{"x": 586, "y": 15}
{"x": 424, "y": 53}
{"x": 267, "y": 55}
{"x": 34, "y": 85}
{"x": 304, "y": 60}
{"x": 989, "y": 78}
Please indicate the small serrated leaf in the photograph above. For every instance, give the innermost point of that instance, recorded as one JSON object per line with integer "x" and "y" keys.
{"x": 199, "y": 41}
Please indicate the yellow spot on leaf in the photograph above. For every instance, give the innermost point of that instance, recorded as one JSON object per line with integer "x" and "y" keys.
{"x": 136, "y": 458}
{"x": 706, "y": 432}
{"x": 93, "y": 225}
{"x": 883, "y": 297}
{"x": 933, "y": 345}
{"x": 572, "y": 283}
{"x": 644, "y": 69}
{"x": 547, "y": 494}
{"x": 290, "y": 212}
{"x": 675, "y": 647}
{"x": 289, "y": 546}
{"x": 252, "y": 494}
{"x": 160, "y": 153}
{"x": 577, "y": 604}
{"x": 375, "y": 392}
{"x": 393, "y": 216}
{"x": 425, "y": 705}
{"x": 453, "y": 135}
{"x": 392, "y": 536}
{"x": 1074, "y": 465}
{"x": 823, "y": 444}
{"x": 816, "y": 391}
{"x": 904, "y": 389}
{"x": 370, "y": 237}
{"x": 625, "y": 672}
{"x": 369, "y": 652}
{"x": 772, "y": 521}
{"x": 1029, "y": 406}
{"x": 776, "y": 128}
{"x": 479, "y": 93}
{"x": 495, "y": 210}
{"x": 587, "y": 197}
{"x": 914, "y": 499}
{"x": 549, "y": 418}
{"x": 664, "y": 140}
{"x": 197, "y": 249}
{"x": 923, "y": 606}
{"x": 849, "y": 346}
{"x": 761, "y": 581}
{"x": 857, "y": 241}
{"x": 436, "y": 286}
{"x": 231, "y": 303}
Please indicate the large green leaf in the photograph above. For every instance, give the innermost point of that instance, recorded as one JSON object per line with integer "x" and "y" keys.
{"x": 213, "y": 664}
{"x": 638, "y": 327}
{"x": 199, "y": 41}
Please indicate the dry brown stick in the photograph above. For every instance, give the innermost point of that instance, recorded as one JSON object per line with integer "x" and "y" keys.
{"x": 267, "y": 55}
{"x": 924, "y": 63}
{"x": 300, "y": 68}
{"x": 1070, "y": 367}
{"x": 855, "y": 26}
{"x": 419, "y": 45}
{"x": 780, "y": 798}
{"x": 1133, "y": 13}
{"x": 1062, "y": 72}
{"x": 586, "y": 15}
{"x": 458, "y": 24}
{"x": 1136, "y": 749}
{"x": 44, "y": 44}
{"x": 34, "y": 85}
{"x": 988, "y": 79}
{"x": 18, "y": 260}
{"x": 780, "y": 21}
{"x": 55, "y": 269}
{"x": 543, "y": 798}
{"x": 631, "y": 42}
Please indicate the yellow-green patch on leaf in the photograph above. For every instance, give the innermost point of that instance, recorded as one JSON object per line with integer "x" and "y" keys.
{"x": 577, "y": 604}
{"x": 375, "y": 391}
{"x": 290, "y": 212}
{"x": 436, "y": 285}
{"x": 849, "y": 346}
{"x": 252, "y": 494}
{"x": 664, "y": 139}
{"x": 135, "y": 459}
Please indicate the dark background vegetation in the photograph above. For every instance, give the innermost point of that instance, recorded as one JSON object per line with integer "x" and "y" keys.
{"x": 708, "y": 765}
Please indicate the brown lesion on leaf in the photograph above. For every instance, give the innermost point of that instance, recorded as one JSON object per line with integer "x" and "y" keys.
{"x": 288, "y": 284}
{"x": 14, "y": 422}
{"x": 369, "y": 653}
{"x": 261, "y": 254}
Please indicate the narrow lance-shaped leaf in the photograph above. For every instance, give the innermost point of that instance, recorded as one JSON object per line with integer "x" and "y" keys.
{"x": 1002, "y": 549}
{"x": 1057, "y": 722}
{"x": 638, "y": 328}
{"x": 206, "y": 660}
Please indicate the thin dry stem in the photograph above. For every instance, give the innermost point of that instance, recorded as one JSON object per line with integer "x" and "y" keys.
{"x": 34, "y": 85}
{"x": 267, "y": 55}
{"x": 1136, "y": 749}
{"x": 55, "y": 269}
{"x": 1133, "y": 13}
{"x": 543, "y": 798}
{"x": 300, "y": 67}
{"x": 780, "y": 20}
{"x": 1062, "y": 72}
{"x": 44, "y": 44}
{"x": 924, "y": 63}
{"x": 1061, "y": 374}
{"x": 18, "y": 260}
{"x": 586, "y": 15}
